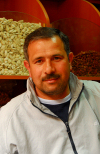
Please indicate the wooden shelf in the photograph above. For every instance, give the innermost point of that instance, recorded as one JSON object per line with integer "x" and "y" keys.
{"x": 89, "y": 78}
{"x": 13, "y": 77}
{"x": 26, "y": 77}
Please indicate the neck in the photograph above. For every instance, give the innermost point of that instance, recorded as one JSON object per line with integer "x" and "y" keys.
{"x": 52, "y": 97}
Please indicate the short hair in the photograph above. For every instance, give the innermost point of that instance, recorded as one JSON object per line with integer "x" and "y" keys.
{"x": 43, "y": 33}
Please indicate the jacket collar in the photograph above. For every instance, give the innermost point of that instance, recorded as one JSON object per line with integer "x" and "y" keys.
{"x": 75, "y": 85}
{"x": 34, "y": 99}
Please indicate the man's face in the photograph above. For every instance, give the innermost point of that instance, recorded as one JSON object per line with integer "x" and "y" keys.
{"x": 49, "y": 67}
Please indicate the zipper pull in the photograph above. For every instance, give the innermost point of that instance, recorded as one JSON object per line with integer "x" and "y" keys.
{"x": 67, "y": 126}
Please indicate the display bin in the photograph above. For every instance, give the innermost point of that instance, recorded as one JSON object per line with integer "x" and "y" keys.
{"x": 84, "y": 36}
{"x": 31, "y": 11}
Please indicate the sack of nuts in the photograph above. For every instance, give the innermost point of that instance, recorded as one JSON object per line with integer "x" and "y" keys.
{"x": 12, "y": 36}
{"x": 86, "y": 64}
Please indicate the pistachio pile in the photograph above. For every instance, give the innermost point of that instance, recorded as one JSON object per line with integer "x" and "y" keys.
{"x": 12, "y": 36}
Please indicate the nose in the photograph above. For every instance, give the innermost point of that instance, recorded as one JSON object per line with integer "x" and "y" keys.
{"x": 49, "y": 67}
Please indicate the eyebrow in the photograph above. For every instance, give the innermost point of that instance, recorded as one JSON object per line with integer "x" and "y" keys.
{"x": 58, "y": 55}
{"x": 37, "y": 58}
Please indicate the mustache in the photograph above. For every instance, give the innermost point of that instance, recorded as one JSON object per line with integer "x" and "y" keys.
{"x": 50, "y": 76}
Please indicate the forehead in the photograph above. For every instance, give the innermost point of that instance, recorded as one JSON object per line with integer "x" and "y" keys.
{"x": 46, "y": 48}
{"x": 54, "y": 42}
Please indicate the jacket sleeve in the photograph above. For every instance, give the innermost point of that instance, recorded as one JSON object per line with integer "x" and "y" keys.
{"x": 96, "y": 105}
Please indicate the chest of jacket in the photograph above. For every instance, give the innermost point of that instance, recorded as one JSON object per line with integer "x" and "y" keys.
{"x": 46, "y": 133}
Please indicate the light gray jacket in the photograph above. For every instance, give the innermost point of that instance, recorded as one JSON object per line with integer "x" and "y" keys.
{"x": 34, "y": 129}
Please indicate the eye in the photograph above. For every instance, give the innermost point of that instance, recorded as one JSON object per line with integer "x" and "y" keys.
{"x": 57, "y": 58}
{"x": 38, "y": 61}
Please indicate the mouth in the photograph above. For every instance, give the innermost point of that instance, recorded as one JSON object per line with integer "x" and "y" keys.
{"x": 51, "y": 77}
{"x": 53, "y": 80}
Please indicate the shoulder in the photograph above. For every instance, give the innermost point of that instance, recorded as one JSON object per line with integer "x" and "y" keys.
{"x": 92, "y": 93}
{"x": 92, "y": 86}
{"x": 7, "y": 110}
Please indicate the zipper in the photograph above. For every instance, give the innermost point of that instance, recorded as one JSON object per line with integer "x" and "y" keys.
{"x": 70, "y": 137}
{"x": 68, "y": 129}
{"x": 66, "y": 123}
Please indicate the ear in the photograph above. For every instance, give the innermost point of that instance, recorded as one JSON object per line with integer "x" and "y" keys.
{"x": 70, "y": 59}
{"x": 26, "y": 64}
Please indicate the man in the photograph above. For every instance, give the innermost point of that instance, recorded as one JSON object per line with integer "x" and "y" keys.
{"x": 58, "y": 114}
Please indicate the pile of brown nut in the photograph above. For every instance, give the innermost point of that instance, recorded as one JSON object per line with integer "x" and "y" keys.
{"x": 86, "y": 64}
{"x": 12, "y": 36}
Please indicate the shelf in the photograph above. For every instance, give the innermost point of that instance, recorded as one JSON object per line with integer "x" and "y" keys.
{"x": 13, "y": 77}
{"x": 89, "y": 78}
{"x": 26, "y": 77}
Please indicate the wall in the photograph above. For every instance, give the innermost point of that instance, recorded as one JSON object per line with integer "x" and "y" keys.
{"x": 33, "y": 8}
{"x": 78, "y": 19}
